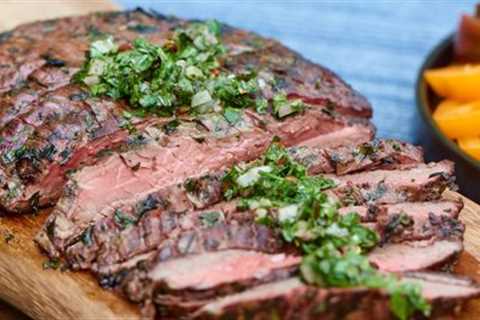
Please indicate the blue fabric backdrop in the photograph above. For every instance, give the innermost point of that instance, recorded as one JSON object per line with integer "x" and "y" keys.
{"x": 377, "y": 46}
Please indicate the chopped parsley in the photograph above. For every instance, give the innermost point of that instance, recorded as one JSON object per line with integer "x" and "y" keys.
{"x": 122, "y": 220}
{"x": 283, "y": 107}
{"x": 53, "y": 264}
{"x": 184, "y": 72}
{"x": 8, "y": 237}
{"x": 281, "y": 194}
{"x": 211, "y": 218}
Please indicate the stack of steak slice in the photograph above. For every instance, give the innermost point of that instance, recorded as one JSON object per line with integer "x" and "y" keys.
{"x": 139, "y": 200}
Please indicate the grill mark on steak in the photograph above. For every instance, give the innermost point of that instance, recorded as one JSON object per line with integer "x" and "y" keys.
{"x": 292, "y": 299}
{"x": 424, "y": 182}
{"x": 224, "y": 236}
{"x": 207, "y": 190}
{"x": 172, "y": 235}
{"x": 45, "y": 54}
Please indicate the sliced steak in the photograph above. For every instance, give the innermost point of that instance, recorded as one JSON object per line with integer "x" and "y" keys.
{"x": 372, "y": 155}
{"x": 424, "y": 182}
{"x": 175, "y": 284}
{"x": 206, "y": 190}
{"x": 171, "y": 236}
{"x": 59, "y": 134}
{"x": 48, "y": 127}
{"x": 411, "y": 221}
{"x": 108, "y": 243}
{"x": 432, "y": 254}
{"x": 83, "y": 203}
{"x": 291, "y": 299}
{"x": 416, "y": 255}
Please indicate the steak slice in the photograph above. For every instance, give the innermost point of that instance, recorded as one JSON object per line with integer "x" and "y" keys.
{"x": 174, "y": 283}
{"x": 172, "y": 236}
{"x": 422, "y": 255}
{"x": 106, "y": 243}
{"x": 412, "y": 221}
{"x": 42, "y": 142}
{"x": 291, "y": 299}
{"x": 378, "y": 154}
{"x": 425, "y": 182}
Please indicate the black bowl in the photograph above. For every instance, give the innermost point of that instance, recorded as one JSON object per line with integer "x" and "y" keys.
{"x": 436, "y": 144}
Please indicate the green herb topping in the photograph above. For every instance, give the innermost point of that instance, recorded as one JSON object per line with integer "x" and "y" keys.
{"x": 282, "y": 195}
{"x": 184, "y": 73}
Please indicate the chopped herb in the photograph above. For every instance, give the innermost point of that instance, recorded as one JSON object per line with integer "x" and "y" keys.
{"x": 334, "y": 246}
{"x": 185, "y": 71}
{"x": 34, "y": 201}
{"x": 148, "y": 204}
{"x": 192, "y": 185}
{"x": 211, "y": 218}
{"x": 283, "y": 107}
{"x": 8, "y": 236}
{"x": 122, "y": 220}
{"x": 261, "y": 105}
{"x": 126, "y": 122}
{"x": 94, "y": 33}
{"x": 232, "y": 115}
{"x": 171, "y": 126}
{"x": 86, "y": 236}
{"x": 53, "y": 264}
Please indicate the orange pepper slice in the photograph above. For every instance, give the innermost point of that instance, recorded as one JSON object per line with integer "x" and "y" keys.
{"x": 455, "y": 82}
{"x": 471, "y": 145}
{"x": 458, "y": 120}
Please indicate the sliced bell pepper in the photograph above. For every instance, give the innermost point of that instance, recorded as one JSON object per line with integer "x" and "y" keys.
{"x": 456, "y": 82}
{"x": 458, "y": 120}
{"x": 471, "y": 145}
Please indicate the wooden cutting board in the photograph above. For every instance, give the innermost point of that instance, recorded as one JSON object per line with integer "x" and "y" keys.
{"x": 53, "y": 294}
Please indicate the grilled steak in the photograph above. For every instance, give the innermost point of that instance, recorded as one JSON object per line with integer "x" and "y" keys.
{"x": 84, "y": 204}
{"x": 291, "y": 299}
{"x": 421, "y": 255}
{"x": 58, "y": 127}
{"x": 106, "y": 243}
{"x": 141, "y": 199}
{"x": 425, "y": 182}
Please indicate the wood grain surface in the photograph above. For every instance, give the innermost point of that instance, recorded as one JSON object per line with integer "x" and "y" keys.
{"x": 53, "y": 294}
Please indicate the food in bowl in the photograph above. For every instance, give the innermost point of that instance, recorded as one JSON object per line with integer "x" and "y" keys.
{"x": 458, "y": 114}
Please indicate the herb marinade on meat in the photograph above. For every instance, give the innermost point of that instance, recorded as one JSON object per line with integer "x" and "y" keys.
{"x": 152, "y": 147}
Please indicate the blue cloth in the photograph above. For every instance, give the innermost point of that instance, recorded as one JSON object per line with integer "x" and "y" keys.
{"x": 376, "y": 46}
